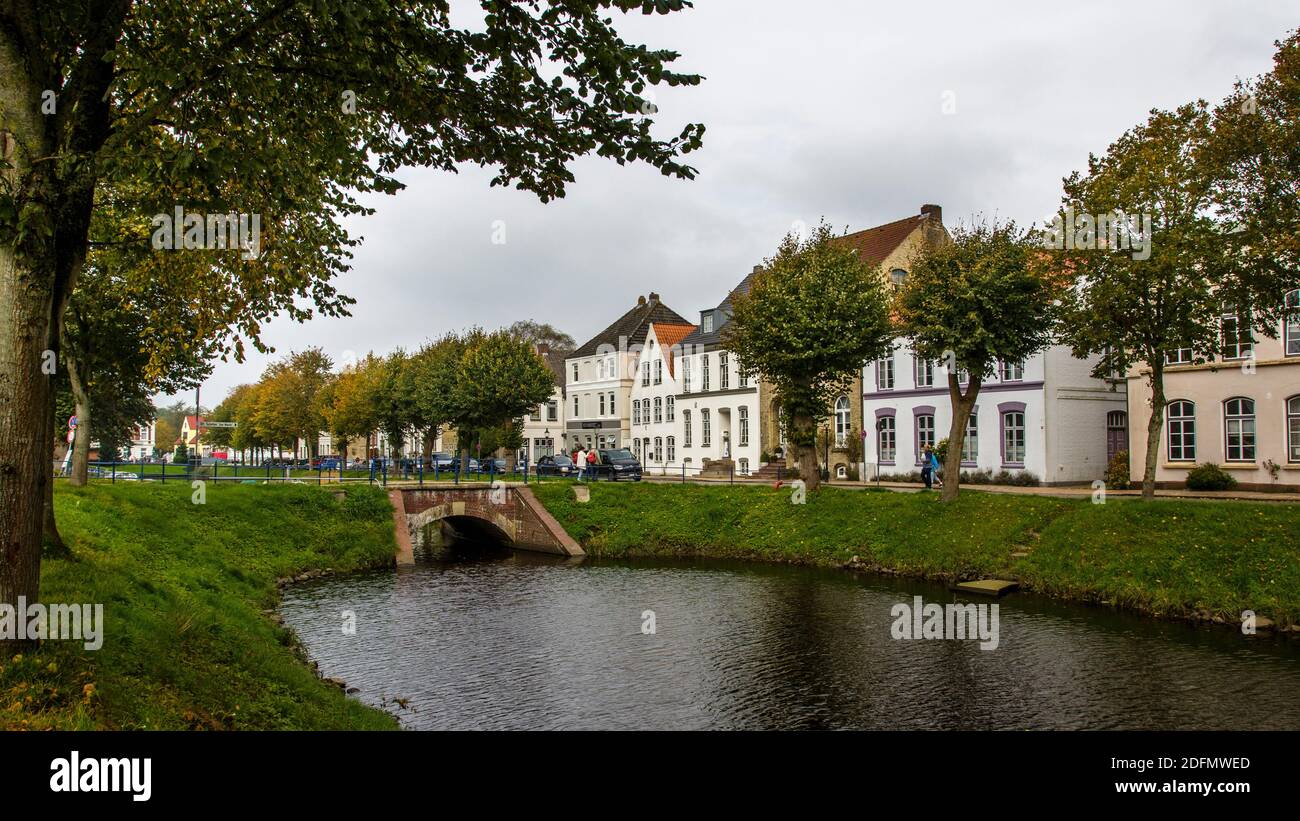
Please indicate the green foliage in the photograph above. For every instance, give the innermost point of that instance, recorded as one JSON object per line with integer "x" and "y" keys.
{"x": 1209, "y": 476}
{"x": 1117, "y": 472}
{"x": 978, "y": 299}
{"x": 812, "y": 316}
{"x": 181, "y": 454}
{"x": 187, "y": 645}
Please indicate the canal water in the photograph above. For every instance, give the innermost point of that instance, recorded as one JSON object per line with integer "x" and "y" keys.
{"x": 479, "y": 637}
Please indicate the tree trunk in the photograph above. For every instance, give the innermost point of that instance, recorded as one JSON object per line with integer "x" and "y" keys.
{"x": 803, "y": 436}
{"x": 1154, "y": 427}
{"x": 81, "y": 442}
{"x": 26, "y": 452}
{"x": 961, "y": 408}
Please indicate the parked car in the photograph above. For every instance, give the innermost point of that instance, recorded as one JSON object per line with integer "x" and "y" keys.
{"x": 616, "y": 464}
{"x": 493, "y": 464}
{"x": 328, "y": 463}
{"x": 441, "y": 461}
{"x": 557, "y": 465}
{"x": 474, "y": 466}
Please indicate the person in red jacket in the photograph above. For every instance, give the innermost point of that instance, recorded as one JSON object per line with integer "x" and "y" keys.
{"x": 591, "y": 464}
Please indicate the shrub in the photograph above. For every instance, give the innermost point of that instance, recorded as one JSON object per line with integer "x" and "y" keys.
{"x": 1117, "y": 472}
{"x": 1209, "y": 477}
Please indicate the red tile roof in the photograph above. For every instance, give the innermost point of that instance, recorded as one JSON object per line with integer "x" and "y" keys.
{"x": 669, "y": 335}
{"x": 875, "y": 244}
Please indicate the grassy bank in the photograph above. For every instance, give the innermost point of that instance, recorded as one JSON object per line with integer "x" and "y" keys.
{"x": 186, "y": 644}
{"x": 1176, "y": 558}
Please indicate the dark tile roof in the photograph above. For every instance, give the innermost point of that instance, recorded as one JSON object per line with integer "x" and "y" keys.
{"x": 631, "y": 326}
{"x": 555, "y": 361}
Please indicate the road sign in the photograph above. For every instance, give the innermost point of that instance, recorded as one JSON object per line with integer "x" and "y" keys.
{"x": 218, "y": 424}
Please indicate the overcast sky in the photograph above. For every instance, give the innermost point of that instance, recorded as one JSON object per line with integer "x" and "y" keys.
{"x": 818, "y": 108}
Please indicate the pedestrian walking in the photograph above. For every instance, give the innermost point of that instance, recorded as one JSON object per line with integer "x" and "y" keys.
{"x": 927, "y": 469}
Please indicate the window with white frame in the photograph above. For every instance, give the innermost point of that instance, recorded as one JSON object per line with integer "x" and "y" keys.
{"x": 1181, "y": 425}
{"x": 1238, "y": 343}
{"x": 924, "y": 373}
{"x": 575, "y": 371}
{"x": 659, "y": 409}
{"x": 659, "y": 371}
{"x": 744, "y": 425}
{"x": 1013, "y": 437}
{"x": 1179, "y": 356}
{"x": 686, "y": 375}
{"x": 1239, "y": 429}
{"x": 842, "y": 421}
{"x": 704, "y": 372}
{"x": 706, "y": 324}
{"x": 575, "y": 406}
{"x": 724, "y": 373}
{"x": 672, "y": 448}
{"x": 742, "y": 376}
{"x": 659, "y": 448}
{"x": 1011, "y": 371}
{"x": 611, "y": 404}
{"x": 886, "y": 439}
{"x": 706, "y": 429}
{"x": 924, "y": 433}
{"x": 645, "y": 374}
{"x": 1293, "y": 429}
{"x": 669, "y": 411}
{"x": 885, "y": 374}
{"x": 552, "y": 411}
{"x": 686, "y": 429}
{"x": 602, "y": 404}
{"x": 970, "y": 444}
{"x": 636, "y": 411}
{"x": 609, "y": 367}
{"x": 1291, "y": 324}
{"x": 536, "y": 415}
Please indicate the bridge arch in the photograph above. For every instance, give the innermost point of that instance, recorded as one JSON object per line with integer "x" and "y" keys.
{"x": 510, "y": 511}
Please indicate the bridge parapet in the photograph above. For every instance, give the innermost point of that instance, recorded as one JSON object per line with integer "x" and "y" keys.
{"x": 512, "y": 510}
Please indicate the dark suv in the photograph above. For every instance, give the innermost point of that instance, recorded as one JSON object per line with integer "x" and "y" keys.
{"x": 617, "y": 464}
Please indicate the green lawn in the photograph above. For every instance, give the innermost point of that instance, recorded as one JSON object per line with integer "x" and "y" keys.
{"x": 186, "y": 644}
{"x": 1167, "y": 557}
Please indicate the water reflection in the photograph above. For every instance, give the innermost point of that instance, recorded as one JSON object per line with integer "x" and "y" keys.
{"x": 493, "y": 639}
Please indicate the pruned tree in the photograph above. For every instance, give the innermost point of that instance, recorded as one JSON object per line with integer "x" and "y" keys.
{"x": 813, "y": 315}
{"x": 988, "y": 295}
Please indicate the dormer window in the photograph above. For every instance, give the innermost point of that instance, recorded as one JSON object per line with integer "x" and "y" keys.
{"x": 897, "y": 276}
{"x": 706, "y": 323}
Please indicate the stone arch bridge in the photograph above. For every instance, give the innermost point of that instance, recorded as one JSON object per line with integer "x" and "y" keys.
{"x": 509, "y": 513}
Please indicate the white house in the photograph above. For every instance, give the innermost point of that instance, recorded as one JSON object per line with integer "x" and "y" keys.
{"x": 143, "y": 439}
{"x": 544, "y": 427}
{"x": 1047, "y": 416}
{"x": 718, "y": 408}
{"x": 655, "y": 423}
{"x": 599, "y": 376}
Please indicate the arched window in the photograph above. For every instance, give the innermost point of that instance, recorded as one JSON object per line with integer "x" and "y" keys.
{"x": 897, "y": 277}
{"x": 1239, "y": 429}
{"x": 1293, "y": 429}
{"x": 1182, "y": 431}
{"x": 841, "y": 471}
{"x": 841, "y": 421}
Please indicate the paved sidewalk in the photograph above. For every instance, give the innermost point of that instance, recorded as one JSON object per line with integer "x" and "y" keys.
{"x": 1064, "y": 492}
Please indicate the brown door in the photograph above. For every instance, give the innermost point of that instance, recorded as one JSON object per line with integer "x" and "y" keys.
{"x": 1116, "y": 433}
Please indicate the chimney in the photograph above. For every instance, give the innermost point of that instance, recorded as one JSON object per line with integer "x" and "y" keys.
{"x": 654, "y": 297}
{"x": 543, "y": 349}
{"x": 640, "y": 300}
{"x": 934, "y": 212}
{"x": 757, "y": 268}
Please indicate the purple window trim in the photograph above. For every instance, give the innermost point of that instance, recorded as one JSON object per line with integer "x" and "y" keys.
{"x": 917, "y": 412}
{"x": 894, "y": 376}
{"x": 1003, "y": 409}
{"x": 993, "y": 387}
{"x": 885, "y": 412}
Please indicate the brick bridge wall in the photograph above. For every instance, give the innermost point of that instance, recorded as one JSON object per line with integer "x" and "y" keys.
{"x": 514, "y": 511}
